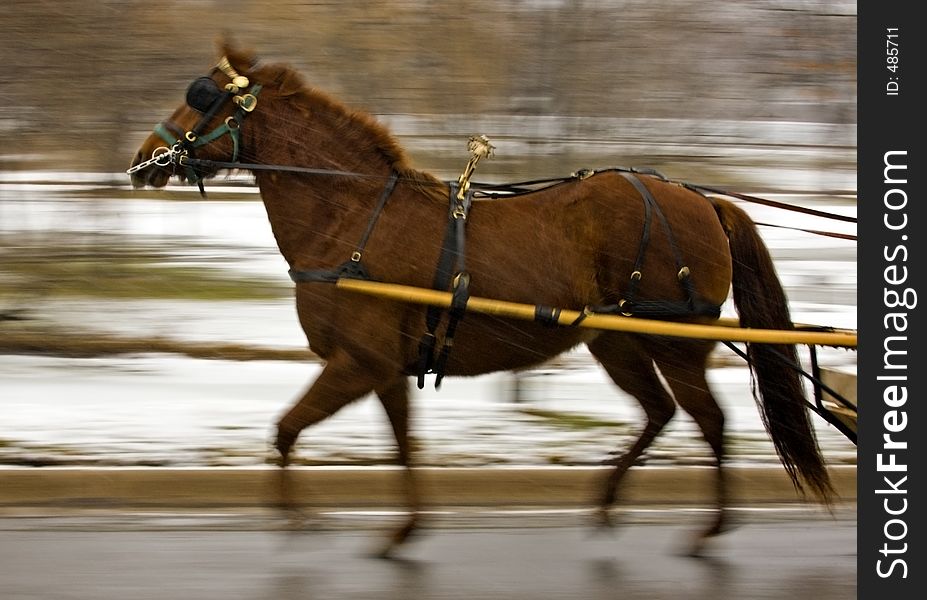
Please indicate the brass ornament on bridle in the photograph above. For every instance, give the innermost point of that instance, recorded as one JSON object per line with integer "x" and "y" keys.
{"x": 239, "y": 82}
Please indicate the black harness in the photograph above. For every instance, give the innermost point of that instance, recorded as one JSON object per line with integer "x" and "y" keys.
{"x": 630, "y": 305}
{"x": 451, "y": 272}
{"x": 352, "y": 268}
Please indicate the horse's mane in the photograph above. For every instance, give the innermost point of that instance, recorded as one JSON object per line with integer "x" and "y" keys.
{"x": 290, "y": 84}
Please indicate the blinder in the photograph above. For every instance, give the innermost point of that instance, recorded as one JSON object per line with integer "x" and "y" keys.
{"x": 203, "y": 94}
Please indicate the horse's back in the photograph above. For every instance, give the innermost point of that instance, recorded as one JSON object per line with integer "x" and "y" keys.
{"x": 578, "y": 243}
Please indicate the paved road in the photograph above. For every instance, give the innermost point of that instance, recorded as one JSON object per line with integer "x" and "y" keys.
{"x": 793, "y": 553}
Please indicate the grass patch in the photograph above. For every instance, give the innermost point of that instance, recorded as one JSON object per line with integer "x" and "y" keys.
{"x": 88, "y": 344}
{"x": 139, "y": 280}
{"x": 101, "y": 268}
{"x": 572, "y": 421}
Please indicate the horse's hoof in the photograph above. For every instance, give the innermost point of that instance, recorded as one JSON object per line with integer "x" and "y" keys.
{"x": 280, "y": 459}
{"x": 722, "y": 524}
{"x": 396, "y": 540}
{"x": 295, "y": 519}
{"x": 700, "y": 542}
{"x": 389, "y": 548}
{"x": 283, "y": 444}
{"x": 696, "y": 547}
{"x": 603, "y": 522}
{"x": 386, "y": 551}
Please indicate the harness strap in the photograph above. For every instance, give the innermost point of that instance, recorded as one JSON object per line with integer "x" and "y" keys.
{"x": 652, "y": 309}
{"x": 173, "y": 134}
{"x": 190, "y": 140}
{"x": 351, "y": 268}
{"x": 381, "y": 203}
{"x": 636, "y": 274}
{"x": 775, "y": 204}
{"x": 651, "y": 205}
{"x": 629, "y": 305}
{"x": 452, "y": 257}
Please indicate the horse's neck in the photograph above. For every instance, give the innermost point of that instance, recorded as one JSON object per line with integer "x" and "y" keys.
{"x": 314, "y": 221}
{"x": 326, "y": 139}
{"x": 315, "y": 216}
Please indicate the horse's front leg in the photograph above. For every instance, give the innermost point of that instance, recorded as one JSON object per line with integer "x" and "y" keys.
{"x": 341, "y": 381}
{"x": 395, "y": 398}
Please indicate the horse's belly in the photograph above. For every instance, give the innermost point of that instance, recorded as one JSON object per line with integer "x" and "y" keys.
{"x": 487, "y": 344}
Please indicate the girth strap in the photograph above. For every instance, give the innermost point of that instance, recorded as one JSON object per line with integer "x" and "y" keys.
{"x": 451, "y": 270}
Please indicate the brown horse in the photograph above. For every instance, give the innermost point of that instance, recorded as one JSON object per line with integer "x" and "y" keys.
{"x": 330, "y": 177}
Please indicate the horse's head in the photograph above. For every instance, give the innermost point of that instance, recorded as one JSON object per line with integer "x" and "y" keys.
{"x": 204, "y": 128}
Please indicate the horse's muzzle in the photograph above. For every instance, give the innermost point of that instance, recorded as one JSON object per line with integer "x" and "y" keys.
{"x": 152, "y": 175}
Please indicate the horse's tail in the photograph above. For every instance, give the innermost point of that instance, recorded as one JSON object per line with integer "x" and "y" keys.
{"x": 776, "y": 384}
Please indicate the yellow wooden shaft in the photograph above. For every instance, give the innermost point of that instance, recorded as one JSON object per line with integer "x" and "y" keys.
{"x": 734, "y": 322}
{"x": 501, "y": 308}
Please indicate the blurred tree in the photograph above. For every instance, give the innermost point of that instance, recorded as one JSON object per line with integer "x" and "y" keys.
{"x": 85, "y": 80}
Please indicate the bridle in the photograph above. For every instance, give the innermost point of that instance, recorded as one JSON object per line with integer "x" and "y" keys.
{"x": 206, "y": 97}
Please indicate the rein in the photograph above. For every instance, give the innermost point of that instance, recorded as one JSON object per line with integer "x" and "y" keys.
{"x": 218, "y": 164}
{"x": 506, "y": 190}
{"x": 773, "y": 203}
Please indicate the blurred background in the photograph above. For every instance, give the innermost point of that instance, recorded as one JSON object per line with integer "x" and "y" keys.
{"x": 156, "y": 328}
{"x": 85, "y": 80}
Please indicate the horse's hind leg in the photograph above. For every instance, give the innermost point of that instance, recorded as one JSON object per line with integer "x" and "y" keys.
{"x": 687, "y": 380}
{"x": 394, "y": 396}
{"x": 629, "y": 366}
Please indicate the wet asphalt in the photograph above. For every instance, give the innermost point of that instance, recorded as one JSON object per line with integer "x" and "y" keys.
{"x": 781, "y": 552}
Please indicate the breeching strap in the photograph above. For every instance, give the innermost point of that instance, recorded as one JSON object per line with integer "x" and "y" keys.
{"x": 629, "y": 305}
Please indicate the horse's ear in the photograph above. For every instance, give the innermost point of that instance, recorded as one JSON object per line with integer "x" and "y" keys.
{"x": 241, "y": 60}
